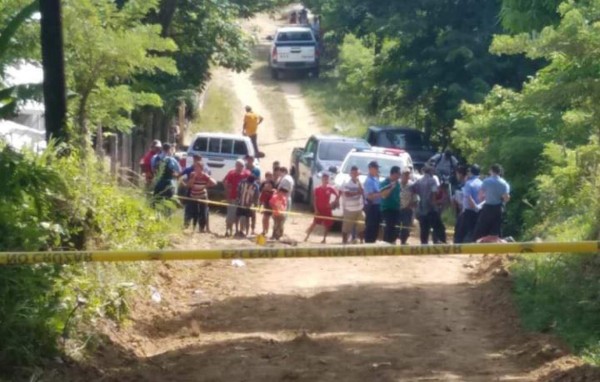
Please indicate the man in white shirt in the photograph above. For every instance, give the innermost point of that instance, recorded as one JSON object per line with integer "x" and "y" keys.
{"x": 352, "y": 206}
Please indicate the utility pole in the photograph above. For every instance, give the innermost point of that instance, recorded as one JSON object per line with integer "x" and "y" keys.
{"x": 55, "y": 100}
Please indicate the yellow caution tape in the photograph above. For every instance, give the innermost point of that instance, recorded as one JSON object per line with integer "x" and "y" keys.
{"x": 18, "y": 258}
{"x": 287, "y": 213}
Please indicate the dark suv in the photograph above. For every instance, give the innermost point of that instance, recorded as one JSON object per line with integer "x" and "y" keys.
{"x": 412, "y": 141}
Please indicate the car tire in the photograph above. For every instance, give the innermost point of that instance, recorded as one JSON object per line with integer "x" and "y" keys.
{"x": 275, "y": 74}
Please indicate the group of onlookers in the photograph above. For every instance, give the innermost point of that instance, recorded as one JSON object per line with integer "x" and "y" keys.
{"x": 403, "y": 195}
{"x": 393, "y": 202}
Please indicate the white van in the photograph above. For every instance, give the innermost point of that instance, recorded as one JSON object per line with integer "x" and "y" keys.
{"x": 219, "y": 151}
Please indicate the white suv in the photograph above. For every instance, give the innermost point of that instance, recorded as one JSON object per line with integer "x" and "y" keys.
{"x": 220, "y": 151}
{"x": 386, "y": 158}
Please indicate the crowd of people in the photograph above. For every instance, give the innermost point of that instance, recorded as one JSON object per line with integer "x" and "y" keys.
{"x": 369, "y": 209}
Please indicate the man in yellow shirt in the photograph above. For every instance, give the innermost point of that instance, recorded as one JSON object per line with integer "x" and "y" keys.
{"x": 251, "y": 122}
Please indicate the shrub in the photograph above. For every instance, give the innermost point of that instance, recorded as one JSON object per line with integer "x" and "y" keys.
{"x": 51, "y": 202}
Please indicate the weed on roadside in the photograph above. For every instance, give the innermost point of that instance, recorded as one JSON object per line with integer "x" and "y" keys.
{"x": 560, "y": 294}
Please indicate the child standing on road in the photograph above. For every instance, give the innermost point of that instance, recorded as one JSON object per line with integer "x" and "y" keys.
{"x": 278, "y": 204}
{"x": 267, "y": 189}
{"x": 247, "y": 201}
{"x": 323, "y": 207}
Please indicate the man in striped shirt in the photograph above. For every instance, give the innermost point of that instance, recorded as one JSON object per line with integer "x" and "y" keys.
{"x": 248, "y": 193}
{"x": 198, "y": 183}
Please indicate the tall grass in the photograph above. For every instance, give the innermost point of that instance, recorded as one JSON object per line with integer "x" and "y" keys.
{"x": 560, "y": 294}
{"x": 220, "y": 106}
{"x": 339, "y": 113}
{"x": 54, "y": 202}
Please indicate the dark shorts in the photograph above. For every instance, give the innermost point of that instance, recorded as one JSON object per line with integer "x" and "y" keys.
{"x": 244, "y": 212}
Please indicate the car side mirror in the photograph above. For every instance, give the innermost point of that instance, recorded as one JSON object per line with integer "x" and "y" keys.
{"x": 333, "y": 169}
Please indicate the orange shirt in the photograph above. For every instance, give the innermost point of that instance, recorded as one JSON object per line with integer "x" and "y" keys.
{"x": 278, "y": 203}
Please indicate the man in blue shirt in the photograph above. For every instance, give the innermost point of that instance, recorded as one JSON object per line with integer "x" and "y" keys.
{"x": 372, "y": 203}
{"x": 470, "y": 210}
{"x": 494, "y": 192}
{"x": 166, "y": 169}
{"x": 252, "y": 167}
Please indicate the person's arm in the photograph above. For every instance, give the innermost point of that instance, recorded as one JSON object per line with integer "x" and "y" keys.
{"x": 506, "y": 195}
{"x": 260, "y": 119}
{"x": 226, "y": 186}
{"x": 191, "y": 179}
{"x": 386, "y": 190}
{"x": 211, "y": 182}
{"x": 175, "y": 167}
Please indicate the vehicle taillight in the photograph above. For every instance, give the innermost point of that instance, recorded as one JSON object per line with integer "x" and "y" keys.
{"x": 274, "y": 54}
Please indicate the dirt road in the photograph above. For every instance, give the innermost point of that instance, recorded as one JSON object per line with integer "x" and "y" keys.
{"x": 359, "y": 319}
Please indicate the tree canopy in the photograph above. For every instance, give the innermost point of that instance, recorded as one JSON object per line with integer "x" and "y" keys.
{"x": 438, "y": 56}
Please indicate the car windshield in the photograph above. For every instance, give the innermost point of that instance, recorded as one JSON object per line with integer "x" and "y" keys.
{"x": 337, "y": 151}
{"x": 403, "y": 140}
{"x": 362, "y": 162}
{"x": 295, "y": 36}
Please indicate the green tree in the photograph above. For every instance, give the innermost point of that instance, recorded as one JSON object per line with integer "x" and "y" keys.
{"x": 8, "y": 45}
{"x": 552, "y": 123}
{"x": 106, "y": 46}
{"x": 439, "y": 56}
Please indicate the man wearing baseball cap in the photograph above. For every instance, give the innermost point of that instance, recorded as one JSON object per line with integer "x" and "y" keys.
{"x": 373, "y": 197}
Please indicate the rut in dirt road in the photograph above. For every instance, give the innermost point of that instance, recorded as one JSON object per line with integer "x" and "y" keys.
{"x": 366, "y": 319}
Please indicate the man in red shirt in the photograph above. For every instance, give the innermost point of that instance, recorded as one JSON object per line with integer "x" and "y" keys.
{"x": 323, "y": 206}
{"x": 146, "y": 161}
{"x": 231, "y": 182}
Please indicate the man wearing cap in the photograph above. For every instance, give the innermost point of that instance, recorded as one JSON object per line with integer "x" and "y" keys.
{"x": 323, "y": 206}
{"x": 373, "y": 196}
{"x": 390, "y": 205}
{"x": 428, "y": 212}
{"x": 352, "y": 205}
{"x": 146, "y": 161}
{"x": 166, "y": 169}
{"x": 470, "y": 209}
{"x": 250, "y": 128}
{"x": 494, "y": 193}
{"x": 231, "y": 183}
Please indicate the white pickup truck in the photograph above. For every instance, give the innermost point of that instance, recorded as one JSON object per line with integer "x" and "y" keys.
{"x": 294, "y": 49}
